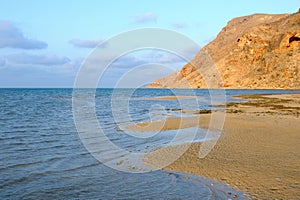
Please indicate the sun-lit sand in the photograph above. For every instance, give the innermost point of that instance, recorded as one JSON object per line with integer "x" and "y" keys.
{"x": 258, "y": 151}
{"x": 169, "y": 98}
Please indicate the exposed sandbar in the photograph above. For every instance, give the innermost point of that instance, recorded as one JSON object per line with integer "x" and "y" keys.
{"x": 258, "y": 152}
{"x": 167, "y": 98}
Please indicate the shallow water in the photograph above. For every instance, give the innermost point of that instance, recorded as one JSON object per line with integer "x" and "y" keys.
{"x": 42, "y": 155}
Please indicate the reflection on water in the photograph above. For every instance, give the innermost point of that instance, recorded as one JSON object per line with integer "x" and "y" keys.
{"x": 42, "y": 155}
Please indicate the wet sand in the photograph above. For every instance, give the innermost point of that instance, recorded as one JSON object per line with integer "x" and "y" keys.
{"x": 167, "y": 98}
{"x": 258, "y": 151}
{"x": 167, "y": 124}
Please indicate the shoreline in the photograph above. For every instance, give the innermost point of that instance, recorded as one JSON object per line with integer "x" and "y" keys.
{"x": 188, "y": 88}
{"x": 258, "y": 152}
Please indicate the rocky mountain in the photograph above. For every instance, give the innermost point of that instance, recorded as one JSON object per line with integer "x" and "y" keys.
{"x": 257, "y": 52}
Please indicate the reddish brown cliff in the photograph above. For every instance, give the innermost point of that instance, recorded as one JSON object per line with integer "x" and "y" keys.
{"x": 256, "y": 51}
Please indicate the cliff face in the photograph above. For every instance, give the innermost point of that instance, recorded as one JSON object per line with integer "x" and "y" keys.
{"x": 256, "y": 52}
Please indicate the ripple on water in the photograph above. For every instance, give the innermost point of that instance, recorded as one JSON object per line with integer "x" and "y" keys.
{"x": 42, "y": 155}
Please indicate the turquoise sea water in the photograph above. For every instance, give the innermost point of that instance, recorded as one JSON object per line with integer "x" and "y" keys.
{"x": 42, "y": 156}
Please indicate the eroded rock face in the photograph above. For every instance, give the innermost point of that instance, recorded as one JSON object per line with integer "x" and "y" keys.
{"x": 257, "y": 51}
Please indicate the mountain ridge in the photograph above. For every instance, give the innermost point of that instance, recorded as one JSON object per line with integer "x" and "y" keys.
{"x": 259, "y": 51}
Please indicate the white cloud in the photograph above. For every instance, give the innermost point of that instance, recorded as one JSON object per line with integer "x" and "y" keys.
{"x": 145, "y": 18}
{"x": 11, "y": 36}
{"x": 87, "y": 43}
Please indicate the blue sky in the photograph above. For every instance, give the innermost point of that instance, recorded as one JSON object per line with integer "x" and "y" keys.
{"x": 43, "y": 43}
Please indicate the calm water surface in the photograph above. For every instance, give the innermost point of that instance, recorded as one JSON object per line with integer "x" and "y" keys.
{"x": 42, "y": 156}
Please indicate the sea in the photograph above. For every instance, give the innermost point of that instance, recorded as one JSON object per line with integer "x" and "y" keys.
{"x": 46, "y": 143}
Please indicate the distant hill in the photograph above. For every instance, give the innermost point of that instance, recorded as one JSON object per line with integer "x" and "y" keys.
{"x": 255, "y": 52}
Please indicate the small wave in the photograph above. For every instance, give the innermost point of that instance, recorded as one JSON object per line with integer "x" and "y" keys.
{"x": 82, "y": 167}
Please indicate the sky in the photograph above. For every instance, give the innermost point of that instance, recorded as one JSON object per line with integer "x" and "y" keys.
{"x": 45, "y": 44}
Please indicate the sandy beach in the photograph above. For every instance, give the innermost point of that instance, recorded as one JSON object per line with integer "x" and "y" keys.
{"x": 165, "y": 98}
{"x": 258, "y": 151}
